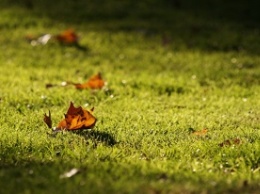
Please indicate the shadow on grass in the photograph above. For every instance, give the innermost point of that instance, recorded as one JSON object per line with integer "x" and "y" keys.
{"x": 79, "y": 47}
{"x": 97, "y": 136}
{"x": 94, "y": 135}
{"x": 214, "y": 25}
{"x": 45, "y": 177}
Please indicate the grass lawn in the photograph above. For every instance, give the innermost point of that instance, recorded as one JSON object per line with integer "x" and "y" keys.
{"x": 171, "y": 69}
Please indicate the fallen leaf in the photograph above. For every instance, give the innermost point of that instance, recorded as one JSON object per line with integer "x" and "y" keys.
{"x": 67, "y": 37}
{"x": 200, "y": 133}
{"x": 229, "y": 142}
{"x": 70, "y": 173}
{"x": 95, "y": 82}
{"x": 75, "y": 119}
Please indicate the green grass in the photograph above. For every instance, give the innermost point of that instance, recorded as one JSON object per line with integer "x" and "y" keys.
{"x": 206, "y": 76}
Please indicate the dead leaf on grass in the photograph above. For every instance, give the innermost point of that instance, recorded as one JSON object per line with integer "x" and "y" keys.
{"x": 95, "y": 82}
{"x": 200, "y": 132}
{"x": 75, "y": 119}
{"x": 67, "y": 37}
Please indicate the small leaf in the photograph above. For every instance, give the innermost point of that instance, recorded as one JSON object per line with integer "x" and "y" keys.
{"x": 200, "y": 133}
{"x": 95, "y": 82}
{"x": 67, "y": 37}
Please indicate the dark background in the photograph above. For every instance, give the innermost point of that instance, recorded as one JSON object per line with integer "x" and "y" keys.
{"x": 208, "y": 25}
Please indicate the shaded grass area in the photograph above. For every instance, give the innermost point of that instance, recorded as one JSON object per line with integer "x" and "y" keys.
{"x": 136, "y": 181}
{"x": 205, "y": 25}
{"x": 169, "y": 70}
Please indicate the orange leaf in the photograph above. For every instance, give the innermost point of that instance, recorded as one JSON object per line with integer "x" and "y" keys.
{"x": 200, "y": 133}
{"x": 47, "y": 119}
{"x": 67, "y": 37}
{"x": 77, "y": 118}
{"x": 95, "y": 82}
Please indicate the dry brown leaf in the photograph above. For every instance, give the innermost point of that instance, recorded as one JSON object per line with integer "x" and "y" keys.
{"x": 200, "y": 133}
{"x": 95, "y": 82}
{"x": 75, "y": 119}
{"x": 67, "y": 37}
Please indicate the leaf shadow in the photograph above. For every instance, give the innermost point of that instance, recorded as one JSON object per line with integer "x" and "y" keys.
{"x": 77, "y": 46}
{"x": 98, "y": 136}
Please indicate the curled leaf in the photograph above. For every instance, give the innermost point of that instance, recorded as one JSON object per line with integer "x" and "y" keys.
{"x": 95, "y": 82}
{"x": 67, "y": 37}
{"x": 200, "y": 133}
{"x": 77, "y": 118}
{"x": 47, "y": 119}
